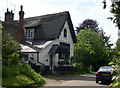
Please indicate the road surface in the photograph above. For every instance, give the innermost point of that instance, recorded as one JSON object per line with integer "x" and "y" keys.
{"x": 73, "y": 81}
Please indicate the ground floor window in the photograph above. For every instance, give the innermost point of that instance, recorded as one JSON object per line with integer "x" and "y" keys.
{"x": 26, "y": 57}
{"x": 64, "y": 51}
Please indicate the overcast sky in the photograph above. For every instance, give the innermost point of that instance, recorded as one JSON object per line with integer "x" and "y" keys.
{"x": 79, "y": 11}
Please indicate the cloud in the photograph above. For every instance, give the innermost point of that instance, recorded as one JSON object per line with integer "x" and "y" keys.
{"x": 79, "y": 11}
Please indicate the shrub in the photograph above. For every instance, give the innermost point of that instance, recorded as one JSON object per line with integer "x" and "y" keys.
{"x": 22, "y": 69}
{"x": 10, "y": 71}
{"x": 6, "y": 72}
{"x": 64, "y": 62}
{"x": 78, "y": 66}
{"x": 14, "y": 59}
{"x": 28, "y": 71}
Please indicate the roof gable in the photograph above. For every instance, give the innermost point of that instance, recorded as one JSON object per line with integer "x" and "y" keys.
{"x": 11, "y": 28}
{"x": 47, "y": 27}
{"x": 50, "y": 26}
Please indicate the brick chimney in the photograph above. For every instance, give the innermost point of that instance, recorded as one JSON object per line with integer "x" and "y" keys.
{"x": 9, "y": 16}
{"x": 21, "y": 25}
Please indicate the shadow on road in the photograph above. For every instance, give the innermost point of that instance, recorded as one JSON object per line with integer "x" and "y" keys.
{"x": 73, "y": 81}
{"x": 86, "y": 77}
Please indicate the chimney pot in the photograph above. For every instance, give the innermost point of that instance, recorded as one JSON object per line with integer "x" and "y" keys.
{"x": 21, "y": 8}
{"x": 7, "y": 10}
{"x": 21, "y": 24}
{"x": 9, "y": 16}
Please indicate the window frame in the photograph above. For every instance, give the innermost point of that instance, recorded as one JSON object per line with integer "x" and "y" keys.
{"x": 65, "y": 32}
{"x": 29, "y": 33}
{"x": 64, "y": 51}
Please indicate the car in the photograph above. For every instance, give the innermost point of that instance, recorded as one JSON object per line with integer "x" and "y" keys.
{"x": 104, "y": 74}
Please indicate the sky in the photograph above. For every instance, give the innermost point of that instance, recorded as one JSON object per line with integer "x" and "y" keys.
{"x": 79, "y": 11}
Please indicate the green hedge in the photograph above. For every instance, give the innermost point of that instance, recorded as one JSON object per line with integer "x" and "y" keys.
{"x": 21, "y": 69}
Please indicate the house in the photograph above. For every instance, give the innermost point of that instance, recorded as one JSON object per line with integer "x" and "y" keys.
{"x": 46, "y": 39}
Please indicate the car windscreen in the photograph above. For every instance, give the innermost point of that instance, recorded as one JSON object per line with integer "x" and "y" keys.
{"x": 104, "y": 69}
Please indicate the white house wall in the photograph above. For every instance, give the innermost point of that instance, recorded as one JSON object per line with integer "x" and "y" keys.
{"x": 67, "y": 39}
{"x": 32, "y": 55}
{"x": 44, "y": 56}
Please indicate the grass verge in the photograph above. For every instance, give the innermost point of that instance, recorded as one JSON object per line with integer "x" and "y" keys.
{"x": 20, "y": 75}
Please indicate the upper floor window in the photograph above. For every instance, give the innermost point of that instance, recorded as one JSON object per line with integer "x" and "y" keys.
{"x": 65, "y": 32}
{"x": 30, "y": 33}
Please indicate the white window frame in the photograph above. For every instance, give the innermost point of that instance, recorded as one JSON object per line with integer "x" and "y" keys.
{"x": 30, "y": 33}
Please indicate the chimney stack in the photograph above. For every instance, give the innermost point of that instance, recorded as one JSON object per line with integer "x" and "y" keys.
{"x": 9, "y": 16}
{"x": 21, "y": 24}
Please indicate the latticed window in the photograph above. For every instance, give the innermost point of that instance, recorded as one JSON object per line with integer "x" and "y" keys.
{"x": 64, "y": 52}
{"x": 30, "y": 33}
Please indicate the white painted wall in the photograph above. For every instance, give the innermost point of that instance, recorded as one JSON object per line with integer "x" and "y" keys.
{"x": 44, "y": 57}
{"x": 67, "y": 39}
{"x": 31, "y": 55}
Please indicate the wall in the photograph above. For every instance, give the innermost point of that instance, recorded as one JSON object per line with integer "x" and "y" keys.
{"x": 67, "y": 39}
{"x": 44, "y": 56}
{"x": 34, "y": 55}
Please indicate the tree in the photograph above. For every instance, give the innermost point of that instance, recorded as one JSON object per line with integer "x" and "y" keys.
{"x": 115, "y": 9}
{"x": 106, "y": 42}
{"x": 90, "y": 49}
{"x": 10, "y": 50}
{"x": 88, "y": 23}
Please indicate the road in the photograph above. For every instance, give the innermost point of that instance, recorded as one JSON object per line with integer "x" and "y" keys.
{"x": 73, "y": 81}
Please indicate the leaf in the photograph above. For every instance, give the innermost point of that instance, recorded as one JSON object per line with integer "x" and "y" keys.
{"x": 110, "y": 18}
{"x": 1, "y": 26}
{"x": 112, "y": 63}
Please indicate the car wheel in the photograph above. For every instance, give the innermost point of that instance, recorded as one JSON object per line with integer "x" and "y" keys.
{"x": 97, "y": 81}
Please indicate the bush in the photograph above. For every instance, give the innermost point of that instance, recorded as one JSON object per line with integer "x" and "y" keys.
{"x": 80, "y": 67}
{"x": 13, "y": 70}
{"x": 65, "y": 62}
{"x": 14, "y": 59}
{"x": 28, "y": 71}
{"x": 6, "y": 72}
{"x": 22, "y": 69}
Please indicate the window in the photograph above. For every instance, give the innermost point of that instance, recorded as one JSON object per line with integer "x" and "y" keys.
{"x": 64, "y": 51}
{"x": 26, "y": 57}
{"x": 30, "y": 33}
{"x": 65, "y": 32}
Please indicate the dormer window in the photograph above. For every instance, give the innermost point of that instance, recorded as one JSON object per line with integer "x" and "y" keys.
{"x": 65, "y": 32}
{"x": 30, "y": 33}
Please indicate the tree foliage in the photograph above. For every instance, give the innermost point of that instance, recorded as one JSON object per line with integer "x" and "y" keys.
{"x": 10, "y": 50}
{"x": 90, "y": 49}
{"x": 115, "y": 9}
{"x": 116, "y": 63}
{"x": 88, "y": 23}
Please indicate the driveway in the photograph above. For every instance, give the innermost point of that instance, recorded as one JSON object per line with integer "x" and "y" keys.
{"x": 73, "y": 81}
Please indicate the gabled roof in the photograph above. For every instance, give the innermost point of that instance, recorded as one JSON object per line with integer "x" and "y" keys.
{"x": 28, "y": 46}
{"x": 11, "y": 28}
{"x": 49, "y": 26}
